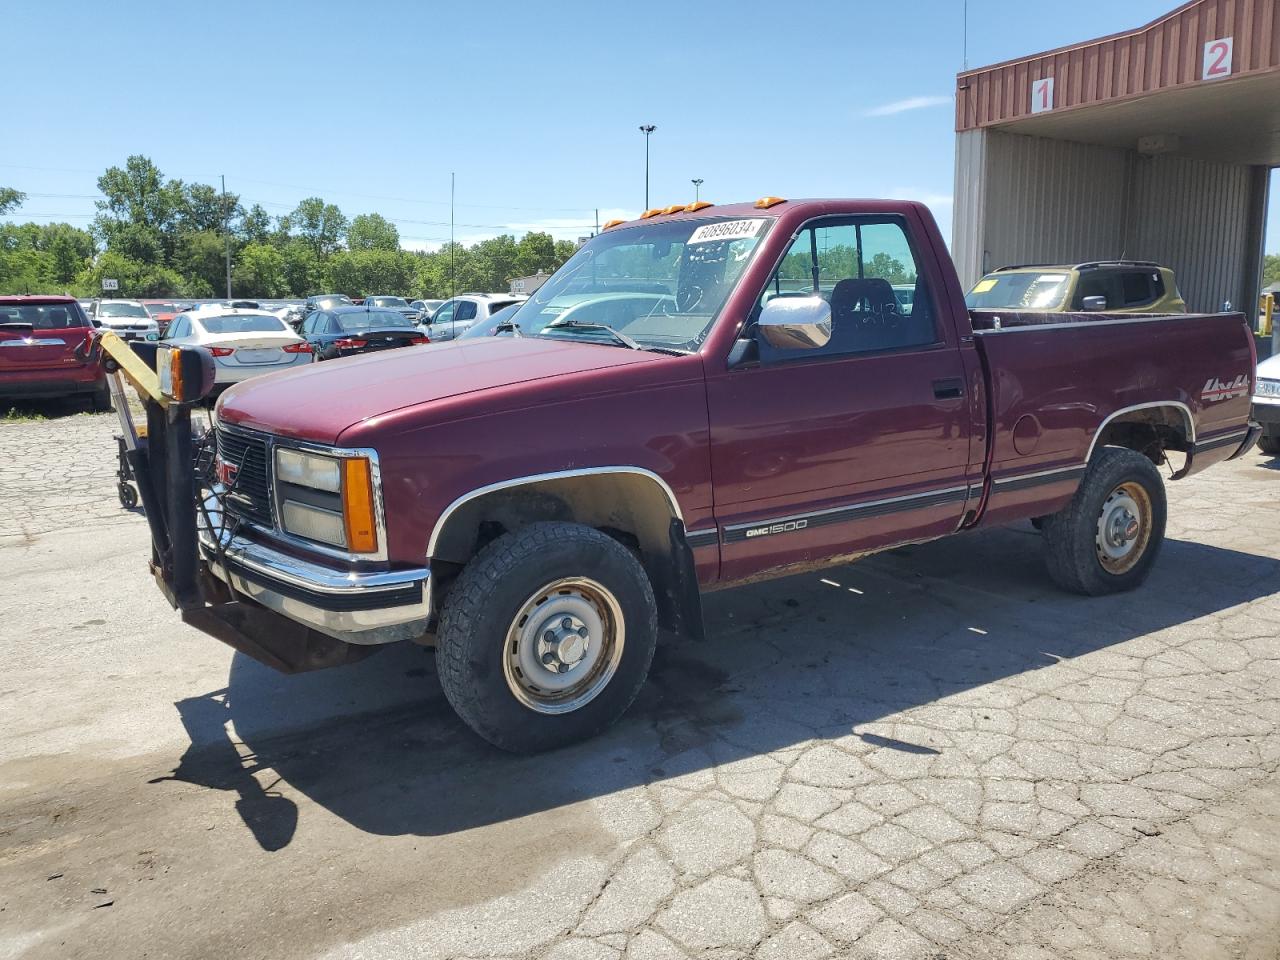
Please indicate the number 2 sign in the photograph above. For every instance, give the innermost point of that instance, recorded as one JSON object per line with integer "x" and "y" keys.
{"x": 1042, "y": 95}
{"x": 1217, "y": 59}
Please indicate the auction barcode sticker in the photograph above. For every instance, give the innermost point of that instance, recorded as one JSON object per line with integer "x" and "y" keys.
{"x": 727, "y": 230}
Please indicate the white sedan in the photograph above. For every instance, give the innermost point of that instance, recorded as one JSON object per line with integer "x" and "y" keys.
{"x": 244, "y": 343}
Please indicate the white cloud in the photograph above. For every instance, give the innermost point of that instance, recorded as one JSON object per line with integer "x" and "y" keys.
{"x": 902, "y": 106}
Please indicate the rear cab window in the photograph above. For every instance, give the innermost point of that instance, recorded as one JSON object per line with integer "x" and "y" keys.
{"x": 1020, "y": 290}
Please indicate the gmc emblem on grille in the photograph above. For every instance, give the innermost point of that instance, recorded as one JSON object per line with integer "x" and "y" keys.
{"x": 789, "y": 526}
{"x": 227, "y": 472}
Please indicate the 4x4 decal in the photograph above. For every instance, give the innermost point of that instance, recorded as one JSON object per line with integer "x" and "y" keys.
{"x": 1215, "y": 389}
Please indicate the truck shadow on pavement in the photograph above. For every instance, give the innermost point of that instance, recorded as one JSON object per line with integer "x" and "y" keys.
{"x": 819, "y": 655}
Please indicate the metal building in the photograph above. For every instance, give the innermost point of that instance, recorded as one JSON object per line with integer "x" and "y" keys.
{"x": 1153, "y": 144}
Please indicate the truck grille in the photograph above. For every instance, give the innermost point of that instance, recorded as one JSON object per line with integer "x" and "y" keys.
{"x": 250, "y": 495}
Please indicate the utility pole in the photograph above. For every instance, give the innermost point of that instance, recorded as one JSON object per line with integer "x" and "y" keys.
{"x": 226, "y": 233}
{"x": 646, "y": 129}
{"x": 697, "y": 189}
{"x": 452, "y": 250}
{"x": 597, "y": 233}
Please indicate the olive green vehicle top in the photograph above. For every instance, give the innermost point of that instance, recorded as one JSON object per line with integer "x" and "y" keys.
{"x": 1116, "y": 286}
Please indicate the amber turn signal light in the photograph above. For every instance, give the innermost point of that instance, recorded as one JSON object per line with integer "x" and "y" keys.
{"x": 357, "y": 505}
{"x": 764, "y": 203}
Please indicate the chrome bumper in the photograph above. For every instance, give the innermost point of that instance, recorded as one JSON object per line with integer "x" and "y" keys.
{"x": 361, "y": 608}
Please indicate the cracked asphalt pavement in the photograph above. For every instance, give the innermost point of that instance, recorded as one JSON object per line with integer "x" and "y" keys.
{"x": 930, "y": 754}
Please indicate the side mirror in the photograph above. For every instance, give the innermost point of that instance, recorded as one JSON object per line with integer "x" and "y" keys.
{"x": 796, "y": 323}
{"x": 153, "y": 336}
{"x": 1093, "y": 304}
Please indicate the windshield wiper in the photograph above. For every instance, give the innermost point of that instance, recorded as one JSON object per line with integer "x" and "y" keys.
{"x": 620, "y": 338}
{"x": 508, "y": 326}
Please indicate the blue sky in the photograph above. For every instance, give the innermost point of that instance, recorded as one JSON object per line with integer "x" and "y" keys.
{"x": 534, "y": 106}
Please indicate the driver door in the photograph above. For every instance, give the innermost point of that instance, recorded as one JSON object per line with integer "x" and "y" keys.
{"x": 856, "y": 445}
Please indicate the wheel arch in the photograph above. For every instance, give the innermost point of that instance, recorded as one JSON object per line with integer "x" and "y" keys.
{"x": 1149, "y": 428}
{"x": 631, "y": 504}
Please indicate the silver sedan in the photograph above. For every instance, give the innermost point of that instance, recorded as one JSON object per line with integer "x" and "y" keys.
{"x": 244, "y": 343}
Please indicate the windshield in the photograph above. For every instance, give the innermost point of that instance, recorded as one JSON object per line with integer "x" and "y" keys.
{"x": 660, "y": 284}
{"x": 1018, "y": 291}
{"x": 48, "y": 316}
{"x": 386, "y": 302}
{"x": 252, "y": 323}
{"x": 123, "y": 310}
{"x": 372, "y": 320}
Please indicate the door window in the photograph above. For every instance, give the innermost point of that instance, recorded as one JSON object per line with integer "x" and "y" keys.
{"x": 466, "y": 311}
{"x": 1142, "y": 286}
{"x": 867, "y": 271}
{"x": 1099, "y": 283}
{"x": 445, "y": 313}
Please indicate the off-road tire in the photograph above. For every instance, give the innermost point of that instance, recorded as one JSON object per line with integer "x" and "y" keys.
{"x": 1071, "y": 535}
{"x": 482, "y": 605}
{"x": 1269, "y": 444}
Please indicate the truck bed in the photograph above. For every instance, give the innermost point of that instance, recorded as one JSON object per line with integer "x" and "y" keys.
{"x": 1055, "y": 380}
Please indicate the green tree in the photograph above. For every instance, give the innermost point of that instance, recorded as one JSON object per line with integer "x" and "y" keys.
{"x": 371, "y": 231}
{"x": 204, "y": 207}
{"x": 302, "y": 269}
{"x": 255, "y": 225}
{"x": 890, "y": 268}
{"x": 139, "y": 200}
{"x": 361, "y": 273}
{"x": 10, "y": 199}
{"x": 259, "y": 272}
{"x": 534, "y": 252}
{"x": 201, "y": 258}
{"x": 320, "y": 224}
{"x": 494, "y": 263}
{"x": 1270, "y": 269}
{"x": 137, "y": 279}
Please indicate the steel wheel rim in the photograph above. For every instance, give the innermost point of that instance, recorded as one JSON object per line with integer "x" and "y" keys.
{"x": 1124, "y": 528}
{"x": 564, "y": 645}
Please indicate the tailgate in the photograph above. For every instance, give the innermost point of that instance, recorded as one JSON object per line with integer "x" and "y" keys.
{"x": 25, "y": 349}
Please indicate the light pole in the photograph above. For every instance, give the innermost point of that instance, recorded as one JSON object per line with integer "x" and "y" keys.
{"x": 646, "y": 129}
{"x": 697, "y": 189}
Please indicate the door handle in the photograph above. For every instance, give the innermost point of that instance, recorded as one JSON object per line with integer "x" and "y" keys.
{"x": 951, "y": 388}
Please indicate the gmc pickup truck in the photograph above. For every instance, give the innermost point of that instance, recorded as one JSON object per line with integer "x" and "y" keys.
{"x": 713, "y": 395}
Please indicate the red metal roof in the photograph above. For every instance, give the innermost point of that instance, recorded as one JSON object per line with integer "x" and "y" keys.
{"x": 1164, "y": 54}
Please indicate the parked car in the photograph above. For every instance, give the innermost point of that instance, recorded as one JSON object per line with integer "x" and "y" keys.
{"x": 291, "y": 313}
{"x": 1266, "y": 405}
{"x": 244, "y": 343}
{"x": 398, "y": 304}
{"x": 128, "y": 319}
{"x": 454, "y": 316}
{"x": 42, "y": 351}
{"x": 425, "y": 308}
{"x": 1117, "y": 286}
{"x": 346, "y": 331}
{"x": 536, "y": 507}
{"x": 489, "y": 326}
{"x": 325, "y": 301}
{"x": 163, "y": 311}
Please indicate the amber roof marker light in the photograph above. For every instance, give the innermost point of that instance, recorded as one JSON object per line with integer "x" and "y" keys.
{"x": 764, "y": 203}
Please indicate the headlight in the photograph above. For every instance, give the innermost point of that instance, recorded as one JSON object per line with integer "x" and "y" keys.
{"x": 313, "y": 523}
{"x": 331, "y": 500}
{"x": 309, "y": 470}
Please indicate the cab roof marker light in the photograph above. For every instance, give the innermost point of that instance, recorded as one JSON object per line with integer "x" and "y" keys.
{"x": 676, "y": 208}
{"x": 764, "y": 203}
{"x": 698, "y": 205}
{"x": 612, "y": 223}
{"x": 650, "y": 213}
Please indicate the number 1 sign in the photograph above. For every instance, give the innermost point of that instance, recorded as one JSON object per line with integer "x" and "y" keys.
{"x": 1042, "y": 95}
{"x": 1217, "y": 59}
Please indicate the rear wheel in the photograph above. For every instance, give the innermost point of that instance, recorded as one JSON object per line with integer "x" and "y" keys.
{"x": 1269, "y": 444}
{"x": 546, "y": 637}
{"x": 1108, "y": 537}
{"x": 101, "y": 400}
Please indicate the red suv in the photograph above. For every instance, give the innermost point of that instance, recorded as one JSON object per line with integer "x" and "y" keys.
{"x": 39, "y": 337}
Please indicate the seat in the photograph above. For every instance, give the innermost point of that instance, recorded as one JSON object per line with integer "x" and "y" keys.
{"x": 57, "y": 318}
{"x": 864, "y": 315}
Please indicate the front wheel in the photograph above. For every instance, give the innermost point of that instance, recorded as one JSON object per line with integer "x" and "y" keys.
{"x": 1107, "y": 538}
{"x": 546, "y": 637}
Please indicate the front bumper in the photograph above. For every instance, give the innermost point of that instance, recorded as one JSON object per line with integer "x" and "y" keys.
{"x": 1267, "y": 413}
{"x": 355, "y": 607}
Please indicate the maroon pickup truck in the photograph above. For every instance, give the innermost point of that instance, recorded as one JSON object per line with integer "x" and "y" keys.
{"x": 706, "y": 396}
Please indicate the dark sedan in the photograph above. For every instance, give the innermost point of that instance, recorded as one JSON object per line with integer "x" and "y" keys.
{"x": 346, "y": 331}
